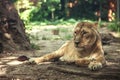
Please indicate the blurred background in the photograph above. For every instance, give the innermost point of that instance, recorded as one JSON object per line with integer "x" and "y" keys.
{"x": 52, "y": 10}
{"x": 53, "y": 19}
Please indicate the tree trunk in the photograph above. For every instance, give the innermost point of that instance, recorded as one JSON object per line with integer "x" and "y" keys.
{"x": 12, "y": 29}
{"x": 118, "y": 10}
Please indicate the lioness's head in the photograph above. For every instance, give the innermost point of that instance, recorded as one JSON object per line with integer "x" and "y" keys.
{"x": 85, "y": 35}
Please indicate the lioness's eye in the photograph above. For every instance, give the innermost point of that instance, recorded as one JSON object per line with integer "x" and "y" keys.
{"x": 75, "y": 32}
{"x": 84, "y": 32}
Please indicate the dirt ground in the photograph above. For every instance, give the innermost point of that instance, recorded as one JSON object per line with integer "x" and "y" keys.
{"x": 11, "y": 69}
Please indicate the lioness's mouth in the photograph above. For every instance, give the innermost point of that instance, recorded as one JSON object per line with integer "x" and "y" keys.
{"x": 79, "y": 47}
{"x": 76, "y": 46}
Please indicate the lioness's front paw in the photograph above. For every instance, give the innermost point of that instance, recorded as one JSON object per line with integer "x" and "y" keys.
{"x": 94, "y": 65}
{"x": 30, "y": 61}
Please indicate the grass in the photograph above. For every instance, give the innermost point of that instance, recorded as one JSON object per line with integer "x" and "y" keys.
{"x": 114, "y": 26}
{"x": 68, "y": 22}
{"x": 65, "y": 32}
{"x": 30, "y": 25}
{"x": 63, "y": 29}
{"x": 32, "y": 37}
{"x": 34, "y": 46}
{"x": 68, "y": 37}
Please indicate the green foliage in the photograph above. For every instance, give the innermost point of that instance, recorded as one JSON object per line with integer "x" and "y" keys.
{"x": 25, "y": 16}
{"x": 114, "y": 26}
{"x": 40, "y": 11}
{"x": 24, "y": 8}
{"x": 33, "y": 39}
{"x": 14, "y": 0}
{"x": 63, "y": 29}
{"x": 43, "y": 12}
{"x": 34, "y": 46}
{"x": 68, "y": 37}
{"x": 50, "y": 10}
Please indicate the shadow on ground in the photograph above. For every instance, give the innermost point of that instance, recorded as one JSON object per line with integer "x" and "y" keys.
{"x": 60, "y": 70}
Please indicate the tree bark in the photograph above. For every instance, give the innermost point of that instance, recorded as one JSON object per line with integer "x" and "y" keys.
{"x": 12, "y": 28}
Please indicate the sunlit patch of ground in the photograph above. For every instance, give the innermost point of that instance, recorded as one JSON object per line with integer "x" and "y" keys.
{"x": 45, "y": 32}
{"x": 11, "y": 61}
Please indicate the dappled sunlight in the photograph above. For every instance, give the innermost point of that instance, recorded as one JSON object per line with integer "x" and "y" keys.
{"x": 11, "y": 61}
{"x": 38, "y": 28}
{"x": 45, "y": 63}
{"x": 118, "y": 50}
{"x": 5, "y": 62}
{"x": 0, "y": 62}
{"x": 2, "y": 69}
{"x": 115, "y": 34}
{"x": 9, "y": 58}
{"x": 112, "y": 63}
{"x": 48, "y": 32}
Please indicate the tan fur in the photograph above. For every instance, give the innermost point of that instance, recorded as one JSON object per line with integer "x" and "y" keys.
{"x": 84, "y": 49}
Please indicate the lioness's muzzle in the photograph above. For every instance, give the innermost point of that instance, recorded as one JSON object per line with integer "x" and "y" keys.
{"x": 77, "y": 42}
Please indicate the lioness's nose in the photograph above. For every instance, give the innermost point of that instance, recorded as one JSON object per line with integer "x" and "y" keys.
{"x": 77, "y": 42}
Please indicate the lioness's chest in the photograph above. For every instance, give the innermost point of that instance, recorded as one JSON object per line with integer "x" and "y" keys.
{"x": 70, "y": 54}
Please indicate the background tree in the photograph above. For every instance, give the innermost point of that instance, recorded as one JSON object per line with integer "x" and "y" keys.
{"x": 118, "y": 10}
{"x": 12, "y": 31}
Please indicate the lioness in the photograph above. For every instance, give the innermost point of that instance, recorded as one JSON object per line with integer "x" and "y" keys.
{"x": 84, "y": 49}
